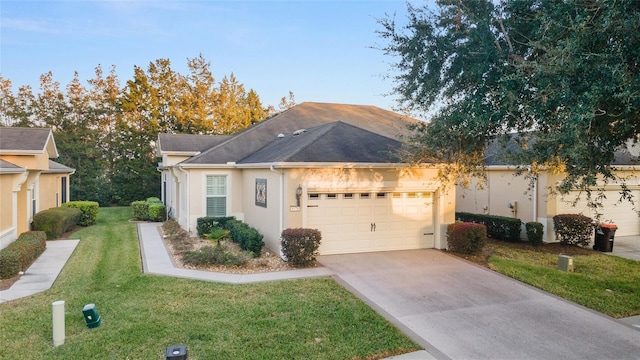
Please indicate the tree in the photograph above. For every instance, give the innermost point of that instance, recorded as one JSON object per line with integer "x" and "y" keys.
{"x": 563, "y": 75}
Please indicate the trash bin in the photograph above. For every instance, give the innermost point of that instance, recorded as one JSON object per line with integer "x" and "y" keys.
{"x": 604, "y": 237}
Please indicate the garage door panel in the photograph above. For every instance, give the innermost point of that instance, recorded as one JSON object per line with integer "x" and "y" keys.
{"x": 401, "y": 222}
{"x": 623, "y": 213}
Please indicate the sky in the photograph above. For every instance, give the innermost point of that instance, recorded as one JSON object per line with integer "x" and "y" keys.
{"x": 320, "y": 50}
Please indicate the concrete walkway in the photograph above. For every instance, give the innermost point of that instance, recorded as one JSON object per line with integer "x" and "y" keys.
{"x": 43, "y": 272}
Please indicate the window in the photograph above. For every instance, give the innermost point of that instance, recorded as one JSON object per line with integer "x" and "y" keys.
{"x": 332, "y": 196}
{"x": 314, "y": 196}
{"x": 381, "y": 195}
{"x": 347, "y": 196}
{"x": 216, "y": 195}
{"x": 365, "y": 196}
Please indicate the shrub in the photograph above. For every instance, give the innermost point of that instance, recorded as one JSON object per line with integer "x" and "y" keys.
{"x": 140, "y": 210}
{"x": 177, "y": 236}
{"x": 217, "y": 234}
{"x": 56, "y": 221}
{"x": 153, "y": 200}
{"x": 218, "y": 254}
{"x": 300, "y": 246}
{"x": 573, "y": 229}
{"x": 247, "y": 237}
{"x": 89, "y": 211}
{"x": 170, "y": 226}
{"x": 9, "y": 263}
{"x": 156, "y": 212}
{"x": 204, "y": 225}
{"x": 535, "y": 232}
{"x": 466, "y": 237}
{"x": 498, "y": 227}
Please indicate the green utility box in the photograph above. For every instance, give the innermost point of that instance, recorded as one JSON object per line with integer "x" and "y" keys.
{"x": 91, "y": 316}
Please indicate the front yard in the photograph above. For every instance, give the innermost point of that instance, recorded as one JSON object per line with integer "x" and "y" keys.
{"x": 142, "y": 314}
{"x": 608, "y": 284}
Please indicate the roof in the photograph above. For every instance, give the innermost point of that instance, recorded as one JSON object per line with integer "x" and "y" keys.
{"x": 57, "y": 168}
{"x": 27, "y": 141}
{"x": 10, "y": 168}
{"x": 305, "y": 116}
{"x": 186, "y": 143}
{"x": 333, "y": 142}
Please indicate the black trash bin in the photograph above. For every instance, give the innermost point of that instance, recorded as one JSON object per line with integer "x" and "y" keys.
{"x": 604, "y": 237}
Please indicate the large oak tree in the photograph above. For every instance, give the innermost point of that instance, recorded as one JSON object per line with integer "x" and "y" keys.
{"x": 564, "y": 76}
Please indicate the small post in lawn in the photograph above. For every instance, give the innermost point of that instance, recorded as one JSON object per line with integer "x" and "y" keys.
{"x": 58, "y": 322}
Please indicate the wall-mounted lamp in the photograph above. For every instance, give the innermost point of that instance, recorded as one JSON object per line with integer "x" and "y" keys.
{"x": 298, "y": 195}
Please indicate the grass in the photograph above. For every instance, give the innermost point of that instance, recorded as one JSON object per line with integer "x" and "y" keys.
{"x": 143, "y": 314}
{"x": 607, "y": 284}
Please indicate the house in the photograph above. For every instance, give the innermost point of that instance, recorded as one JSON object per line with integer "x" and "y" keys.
{"x": 332, "y": 167}
{"x": 29, "y": 180}
{"x": 511, "y": 195}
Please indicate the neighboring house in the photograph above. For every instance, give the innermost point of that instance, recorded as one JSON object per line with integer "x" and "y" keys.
{"x": 29, "y": 180}
{"x": 332, "y": 167}
{"x": 508, "y": 194}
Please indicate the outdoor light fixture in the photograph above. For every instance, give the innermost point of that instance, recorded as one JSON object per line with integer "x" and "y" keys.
{"x": 298, "y": 195}
{"x": 91, "y": 316}
{"x": 176, "y": 352}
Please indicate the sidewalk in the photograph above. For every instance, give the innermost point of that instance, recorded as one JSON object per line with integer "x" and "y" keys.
{"x": 43, "y": 272}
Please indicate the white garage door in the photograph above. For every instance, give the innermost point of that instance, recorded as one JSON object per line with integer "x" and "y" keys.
{"x": 365, "y": 222}
{"x": 621, "y": 214}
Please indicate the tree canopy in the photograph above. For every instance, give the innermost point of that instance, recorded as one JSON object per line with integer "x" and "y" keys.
{"x": 108, "y": 133}
{"x": 560, "y": 78}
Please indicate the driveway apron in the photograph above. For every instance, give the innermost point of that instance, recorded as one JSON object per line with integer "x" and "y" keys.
{"x": 459, "y": 310}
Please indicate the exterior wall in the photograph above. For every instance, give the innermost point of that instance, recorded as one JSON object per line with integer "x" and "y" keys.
{"x": 192, "y": 203}
{"x": 50, "y": 189}
{"x": 534, "y": 201}
{"x": 267, "y": 219}
{"x": 8, "y": 207}
{"x": 31, "y": 162}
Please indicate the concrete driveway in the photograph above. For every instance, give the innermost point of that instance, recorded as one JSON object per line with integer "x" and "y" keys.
{"x": 458, "y": 310}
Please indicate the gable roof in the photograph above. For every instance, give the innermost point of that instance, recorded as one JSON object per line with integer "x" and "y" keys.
{"x": 333, "y": 142}
{"x": 304, "y": 116}
{"x": 187, "y": 144}
{"x": 27, "y": 141}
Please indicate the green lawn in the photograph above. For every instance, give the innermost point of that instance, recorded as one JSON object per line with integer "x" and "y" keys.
{"x": 143, "y": 314}
{"x": 608, "y": 284}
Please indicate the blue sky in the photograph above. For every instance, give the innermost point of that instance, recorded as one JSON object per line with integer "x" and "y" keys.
{"x": 320, "y": 50}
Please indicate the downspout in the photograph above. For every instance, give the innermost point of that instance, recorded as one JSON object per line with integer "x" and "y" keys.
{"x": 535, "y": 196}
{"x": 281, "y": 201}
{"x": 185, "y": 193}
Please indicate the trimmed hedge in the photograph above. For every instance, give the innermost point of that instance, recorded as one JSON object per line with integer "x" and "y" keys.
{"x": 150, "y": 210}
{"x": 244, "y": 235}
{"x": 466, "y": 237}
{"x": 56, "y": 221}
{"x": 205, "y": 225}
{"x": 20, "y": 254}
{"x": 573, "y": 229}
{"x": 89, "y": 211}
{"x": 498, "y": 227}
{"x": 300, "y": 246}
{"x": 535, "y": 232}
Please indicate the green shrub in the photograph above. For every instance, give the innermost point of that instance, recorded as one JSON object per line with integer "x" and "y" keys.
{"x": 573, "y": 229}
{"x": 140, "y": 210}
{"x": 89, "y": 211}
{"x": 218, "y": 254}
{"x": 9, "y": 263}
{"x": 28, "y": 247}
{"x": 466, "y": 237}
{"x": 56, "y": 221}
{"x": 300, "y": 246}
{"x": 498, "y": 227}
{"x": 535, "y": 232}
{"x": 156, "y": 212}
{"x": 204, "y": 225}
{"x": 170, "y": 226}
{"x": 217, "y": 234}
{"x": 153, "y": 200}
{"x": 247, "y": 237}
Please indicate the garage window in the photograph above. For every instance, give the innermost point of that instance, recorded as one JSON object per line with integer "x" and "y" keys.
{"x": 314, "y": 196}
{"x": 216, "y": 195}
{"x": 332, "y": 196}
{"x": 381, "y": 195}
{"x": 347, "y": 196}
{"x": 365, "y": 195}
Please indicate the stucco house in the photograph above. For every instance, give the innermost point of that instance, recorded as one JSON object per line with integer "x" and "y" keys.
{"x": 332, "y": 167}
{"x": 29, "y": 180}
{"x": 511, "y": 195}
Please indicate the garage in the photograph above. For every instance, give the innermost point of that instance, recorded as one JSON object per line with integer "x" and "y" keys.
{"x": 620, "y": 213}
{"x": 353, "y": 222}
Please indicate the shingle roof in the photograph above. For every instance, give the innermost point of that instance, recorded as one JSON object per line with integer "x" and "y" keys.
{"x": 11, "y": 168}
{"x": 333, "y": 142}
{"x": 22, "y": 141}
{"x": 187, "y": 142}
{"x": 304, "y": 116}
{"x": 56, "y": 168}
